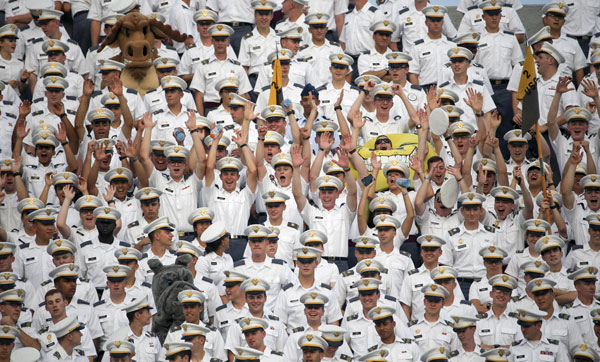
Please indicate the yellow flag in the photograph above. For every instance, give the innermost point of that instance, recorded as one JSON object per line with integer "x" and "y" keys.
{"x": 276, "y": 97}
{"x": 527, "y": 92}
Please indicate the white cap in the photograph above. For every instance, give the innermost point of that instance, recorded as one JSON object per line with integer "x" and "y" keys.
{"x": 107, "y": 213}
{"x": 160, "y": 223}
{"x": 166, "y": 63}
{"x": 66, "y": 326}
{"x": 220, "y": 30}
{"x": 54, "y": 45}
{"x": 119, "y": 173}
{"x": 316, "y": 18}
{"x": 460, "y": 52}
{"x": 342, "y": 59}
{"x": 55, "y": 82}
{"x": 552, "y": 51}
{"x": 205, "y": 15}
{"x": 435, "y": 11}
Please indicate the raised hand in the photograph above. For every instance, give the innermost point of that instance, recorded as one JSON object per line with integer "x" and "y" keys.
{"x": 454, "y": 171}
{"x": 82, "y": 184}
{"x": 433, "y": 98}
{"x": 375, "y": 161}
{"x": 518, "y": 118}
{"x": 358, "y": 121}
{"x": 296, "y": 152}
{"x": 326, "y": 141}
{"x": 249, "y": 111}
{"x": 147, "y": 121}
{"x": 69, "y": 192}
{"x": 109, "y": 194}
{"x": 576, "y": 155}
{"x": 191, "y": 122}
{"x": 262, "y": 131}
{"x": 474, "y": 100}
{"x": 116, "y": 86}
{"x": 24, "y": 109}
{"x": 100, "y": 152}
{"x": 474, "y": 140}
{"x": 241, "y": 137}
{"x": 481, "y": 174}
{"x": 591, "y": 107}
{"x": 347, "y": 144}
{"x": 49, "y": 178}
{"x": 340, "y": 99}
{"x": 563, "y": 85}
{"x": 496, "y": 119}
{"x": 61, "y": 135}
{"x": 57, "y": 108}
{"x": 342, "y": 160}
{"x": 491, "y": 141}
{"x": 369, "y": 86}
{"x": 130, "y": 149}
{"x": 313, "y": 102}
{"x": 517, "y": 173}
{"x": 22, "y": 130}
{"x": 88, "y": 87}
{"x": 305, "y": 132}
{"x": 589, "y": 88}
{"x": 415, "y": 164}
{"x": 120, "y": 146}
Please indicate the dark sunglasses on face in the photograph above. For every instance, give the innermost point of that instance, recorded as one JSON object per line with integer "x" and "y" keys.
{"x": 382, "y": 140}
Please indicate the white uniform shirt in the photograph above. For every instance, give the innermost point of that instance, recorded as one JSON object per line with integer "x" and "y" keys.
{"x": 503, "y": 330}
{"x": 179, "y": 199}
{"x": 461, "y": 250}
{"x": 335, "y": 223}
{"x": 241, "y": 12}
{"x": 36, "y": 57}
{"x": 212, "y": 71}
{"x": 193, "y": 57}
{"x": 545, "y": 350}
{"x": 428, "y": 57}
{"x": 472, "y": 21}
{"x": 356, "y": 33}
{"x": 461, "y": 90}
{"x": 318, "y": 59}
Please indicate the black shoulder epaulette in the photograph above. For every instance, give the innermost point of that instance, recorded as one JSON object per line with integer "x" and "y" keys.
{"x": 57, "y": 354}
{"x": 443, "y": 84}
{"x": 81, "y": 301}
{"x": 125, "y": 244}
{"x": 205, "y": 61}
{"x": 478, "y": 82}
{"x": 43, "y": 330}
{"x": 36, "y": 40}
{"x": 420, "y": 41}
{"x": 466, "y": 302}
{"x": 453, "y": 354}
{"x": 85, "y": 243}
{"x": 266, "y": 87}
{"x": 132, "y": 91}
{"x": 293, "y": 225}
{"x": 71, "y": 98}
{"x": 510, "y": 32}
{"x": 38, "y": 100}
{"x": 348, "y": 273}
{"x": 366, "y": 52}
{"x": 72, "y": 42}
{"x": 412, "y": 323}
{"x": 373, "y": 9}
{"x": 25, "y": 324}
{"x": 346, "y": 357}
{"x": 96, "y": 93}
{"x": 453, "y": 231}
{"x": 389, "y": 297}
{"x": 516, "y": 343}
{"x": 477, "y": 65}
{"x": 553, "y": 341}
{"x": 25, "y": 27}
{"x": 80, "y": 352}
{"x": 490, "y": 228}
{"x": 405, "y": 253}
{"x": 147, "y": 285}
{"x": 144, "y": 256}
{"x": 277, "y": 353}
{"x": 132, "y": 224}
{"x": 207, "y": 279}
{"x": 37, "y": 113}
{"x": 564, "y": 316}
{"x": 335, "y": 43}
{"x": 323, "y": 87}
{"x": 91, "y": 49}
{"x": 151, "y": 90}
{"x": 482, "y": 315}
{"x": 355, "y": 87}
{"x": 149, "y": 333}
{"x": 273, "y": 317}
{"x": 411, "y": 272}
{"x": 98, "y": 303}
{"x": 247, "y": 35}
{"x": 222, "y": 306}
{"x": 215, "y": 359}
{"x": 174, "y": 329}
{"x": 417, "y": 87}
{"x": 24, "y": 245}
{"x": 352, "y": 300}
{"x": 233, "y": 61}
{"x": 352, "y": 317}
{"x": 277, "y": 261}
{"x": 287, "y": 286}
{"x": 575, "y": 247}
{"x": 303, "y": 47}
{"x": 326, "y": 286}
{"x": 298, "y": 329}
{"x": 403, "y": 11}
{"x": 170, "y": 47}
{"x": 298, "y": 85}
{"x": 372, "y": 348}
{"x": 472, "y": 7}
{"x": 239, "y": 263}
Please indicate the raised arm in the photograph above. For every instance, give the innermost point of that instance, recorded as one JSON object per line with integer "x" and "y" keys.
{"x": 500, "y": 163}
{"x": 412, "y": 113}
{"x": 61, "y": 136}
{"x": 423, "y": 194}
{"x": 61, "y": 219}
{"x": 527, "y": 199}
{"x": 147, "y": 125}
{"x": 297, "y": 160}
{"x": 410, "y": 213}
{"x": 568, "y": 180}
{"x": 475, "y": 101}
{"x": 561, "y": 87}
{"x": 117, "y": 88}
{"x": 198, "y": 147}
{"x": 337, "y": 106}
{"x": 349, "y": 146}
{"x": 589, "y": 158}
{"x": 241, "y": 139}
{"x": 70, "y": 135}
{"x": 84, "y": 104}
{"x": 260, "y": 152}
{"x": 591, "y": 90}
{"x": 361, "y": 214}
{"x": 99, "y": 156}
{"x": 325, "y": 142}
{"x": 344, "y": 163}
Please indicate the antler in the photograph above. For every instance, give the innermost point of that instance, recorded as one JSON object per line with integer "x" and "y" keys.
{"x": 164, "y": 31}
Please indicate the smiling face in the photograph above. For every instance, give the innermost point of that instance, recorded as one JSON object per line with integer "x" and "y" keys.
{"x": 121, "y": 186}
{"x": 176, "y": 167}
{"x": 275, "y": 210}
{"x": 191, "y": 311}
{"x": 518, "y": 151}
{"x": 271, "y": 149}
{"x": 592, "y": 196}
{"x": 460, "y": 66}
{"x": 503, "y": 207}
{"x": 229, "y": 179}
{"x": 88, "y": 220}
{"x": 255, "y": 338}
{"x": 461, "y": 141}
{"x": 383, "y": 104}
{"x": 328, "y": 197}
{"x": 256, "y": 301}
{"x": 313, "y": 312}
{"x": 44, "y": 153}
{"x": 578, "y": 128}
{"x": 368, "y": 299}
{"x": 44, "y": 231}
